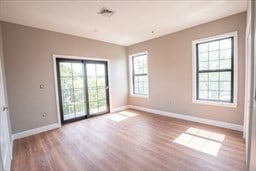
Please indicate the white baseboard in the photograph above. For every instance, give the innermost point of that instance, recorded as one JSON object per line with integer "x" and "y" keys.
{"x": 34, "y": 131}
{"x": 159, "y": 112}
{"x": 118, "y": 109}
{"x": 190, "y": 118}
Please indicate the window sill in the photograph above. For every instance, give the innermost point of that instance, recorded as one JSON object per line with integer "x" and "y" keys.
{"x": 140, "y": 96}
{"x": 221, "y": 104}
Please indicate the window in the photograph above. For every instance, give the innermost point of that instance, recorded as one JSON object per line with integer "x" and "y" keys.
{"x": 139, "y": 74}
{"x": 214, "y": 68}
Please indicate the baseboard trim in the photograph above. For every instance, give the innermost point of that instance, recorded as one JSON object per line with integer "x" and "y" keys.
{"x": 190, "y": 118}
{"x": 34, "y": 131}
{"x": 118, "y": 109}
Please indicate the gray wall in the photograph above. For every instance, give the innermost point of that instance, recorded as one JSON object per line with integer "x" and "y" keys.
{"x": 170, "y": 67}
{"x": 29, "y": 62}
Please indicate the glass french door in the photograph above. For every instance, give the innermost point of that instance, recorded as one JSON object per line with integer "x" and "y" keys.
{"x": 97, "y": 87}
{"x": 83, "y": 88}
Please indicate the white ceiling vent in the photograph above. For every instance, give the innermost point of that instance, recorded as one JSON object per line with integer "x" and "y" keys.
{"x": 106, "y": 12}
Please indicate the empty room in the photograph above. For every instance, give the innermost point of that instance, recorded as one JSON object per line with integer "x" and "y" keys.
{"x": 127, "y": 85}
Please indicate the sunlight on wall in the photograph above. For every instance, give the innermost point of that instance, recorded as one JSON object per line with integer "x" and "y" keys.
{"x": 201, "y": 140}
{"x": 120, "y": 116}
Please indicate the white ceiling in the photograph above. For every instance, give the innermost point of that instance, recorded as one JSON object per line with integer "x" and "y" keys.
{"x": 132, "y": 22}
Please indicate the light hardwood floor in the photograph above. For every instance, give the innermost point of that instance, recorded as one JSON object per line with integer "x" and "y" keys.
{"x": 131, "y": 140}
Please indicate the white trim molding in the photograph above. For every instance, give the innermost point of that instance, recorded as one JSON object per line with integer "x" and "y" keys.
{"x": 34, "y": 131}
{"x": 235, "y": 70}
{"x": 190, "y": 118}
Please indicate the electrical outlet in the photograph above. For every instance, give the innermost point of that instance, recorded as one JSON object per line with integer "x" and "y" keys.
{"x": 44, "y": 115}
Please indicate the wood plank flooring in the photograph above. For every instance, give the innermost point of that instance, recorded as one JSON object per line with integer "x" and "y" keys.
{"x": 131, "y": 140}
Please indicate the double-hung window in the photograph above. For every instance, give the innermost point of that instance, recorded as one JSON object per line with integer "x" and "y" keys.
{"x": 139, "y": 74}
{"x": 214, "y": 70}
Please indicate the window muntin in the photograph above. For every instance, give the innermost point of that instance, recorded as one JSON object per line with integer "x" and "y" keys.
{"x": 139, "y": 74}
{"x": 215, "y": 72}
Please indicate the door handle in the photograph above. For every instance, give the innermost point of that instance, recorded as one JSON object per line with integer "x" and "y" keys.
{"x": 5, "y": 108}
{"x": 106, "y": 87}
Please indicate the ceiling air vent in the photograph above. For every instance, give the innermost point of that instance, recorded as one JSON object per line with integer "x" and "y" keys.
{"x": 106, "y": 12}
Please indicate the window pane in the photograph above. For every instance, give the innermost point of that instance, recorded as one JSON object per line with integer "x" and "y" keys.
{"x": 93, "y": 107}
{"x": 225, "y": 76}
{"x": 65, "y": 69}
{"x": 140, "y": 64}
{"x": 101, "y": 81}
{"x": 78, "y": 82}
{"x": 102, "y": 105}
{"x": 214, "y": 55}
{"x": 225, "y": 54}
{"x": 214, "y": 45}
{"x": 203, "y": 76}
{"x": 203, "y": 66}
{"x": 100, "y": 69}
{"x": 80, "y": 109}
{"x": 68, "y": 111}
{"x": 92, "y": 94}
{"x": 225, "y": 86}
{"x": 203, "y": 57}
{"x": 213, "y": 95}
{"x": 214, "y": 76}
{"x": 203, "y": 94}
{"x": 91, "y": 70}
{"x": 225, "y": 44}
{"x": 67, "y": 97}
{"x": 78, "y": 69}
{"x": 101, "y": 93}
{"x": 203, "y": 47}
{"x": 214, "y": 86}
{"x": 66, "y": 83}
{"x": 203, "y": 86}
{"x": 79, "y": 95}
{"x": 140, "y": 85}
{"x": 213, "y": 65}
{"x": 225, "y": 96}
{"x": 225, "y": 64}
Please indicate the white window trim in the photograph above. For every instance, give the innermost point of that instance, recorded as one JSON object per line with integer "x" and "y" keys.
{"x": 235, "y": 70}
{"x": 130, "y": 75}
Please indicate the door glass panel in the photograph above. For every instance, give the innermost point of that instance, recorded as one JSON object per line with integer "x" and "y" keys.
{"x": 97, "y": 87}
{"x": 81, "y": 94}
{"x": 72, "y": 84}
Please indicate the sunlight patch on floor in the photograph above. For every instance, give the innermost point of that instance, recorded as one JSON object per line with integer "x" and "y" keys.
{"x": 120, "y": 116}
{"x": 201, "y": 140}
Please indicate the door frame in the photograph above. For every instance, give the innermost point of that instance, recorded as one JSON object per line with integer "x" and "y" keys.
{"x": 5, "y": 161}
{"x": 55, "y": 57}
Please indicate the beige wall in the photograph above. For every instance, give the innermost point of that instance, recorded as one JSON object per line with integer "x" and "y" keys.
{"x": 29, "y": 63}
{"x": 170, "y": 67}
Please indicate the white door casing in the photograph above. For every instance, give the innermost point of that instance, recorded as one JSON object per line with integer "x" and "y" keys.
{"x": 5, "y": 156}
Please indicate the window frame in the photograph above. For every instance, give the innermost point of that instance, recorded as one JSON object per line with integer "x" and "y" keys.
{"x": 131, "y": 71}
{"x": 234, "y": 65}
